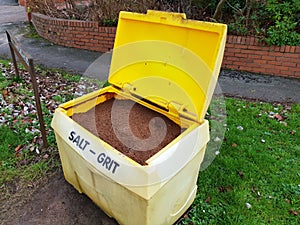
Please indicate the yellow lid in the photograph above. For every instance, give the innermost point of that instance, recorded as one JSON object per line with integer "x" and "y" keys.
{"x": 168, "y": 60}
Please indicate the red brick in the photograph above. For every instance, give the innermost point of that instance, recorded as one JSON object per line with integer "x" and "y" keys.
{"x": 293, "y": 48}
{"x": 247, "y": 51}
{"x": 295, "y": 69}
{"x": 276, "y": 54}
{"x": 287, "y": 48}
{"x": 229, "y": 45}
{"x": 259, "y": 61}
{"x": 239, "y": 63}
{"x": 281, "y": 67}
{"x": 286, "y": 59}
{"x": 272, "y": 71}
{"x": 230, "y": 38}
{"x": 240, "y": 46}
{"x": 245, "y": 68}
{"x": 297, "y": 49}
{"x": 228, "y": 54}
{"x": 79, "y": 29}
{"x": 240, "y": 55}
{"x": 286, "y": 73}
{"x": 254, "y": 47}
{"x": 235, "y": 50}
{"x": 266, "y": 57}
{"x": 79, "y": 36}
{"x": 282, "y": 49}
{"x": 274, "y": 63}
{"x": 290, "y": 64}
{"x": 292, "y": 55}
{"x": 247, "y": 40}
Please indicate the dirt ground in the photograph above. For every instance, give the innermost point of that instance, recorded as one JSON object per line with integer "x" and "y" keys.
{"x": 53, "y": 201}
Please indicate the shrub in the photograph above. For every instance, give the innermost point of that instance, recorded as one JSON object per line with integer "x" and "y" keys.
{"x": 274, "y": 21}
{"x": 284, "y": 17}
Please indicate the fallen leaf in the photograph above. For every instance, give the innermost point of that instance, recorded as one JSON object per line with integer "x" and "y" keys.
{"x": 241, "y": 174}
{"x": 293, "y": 212}
{"x": 283, "y": 123}
{"x": 278, "y": 117}
{"x": 207, "y": 200}
{"x": 17, "y": 149}
{"x": 234, "y": 145}
{"x": 222, "y": 189}
{"x": 4, "y": 92}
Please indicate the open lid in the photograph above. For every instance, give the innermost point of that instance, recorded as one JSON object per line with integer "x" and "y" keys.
{"x": 166, "y": 59}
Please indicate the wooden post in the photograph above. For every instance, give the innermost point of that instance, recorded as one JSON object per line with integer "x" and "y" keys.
{"x": 13, "y": 55}
{"x": 37, "y": 102}
{"x": 28, "y": 64}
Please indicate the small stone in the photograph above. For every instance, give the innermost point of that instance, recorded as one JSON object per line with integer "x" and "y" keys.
{"x": 248, "y": 205}
{"x": 240, "y": 128}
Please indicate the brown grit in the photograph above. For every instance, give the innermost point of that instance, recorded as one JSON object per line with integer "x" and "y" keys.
{"x": 126, "y": 125}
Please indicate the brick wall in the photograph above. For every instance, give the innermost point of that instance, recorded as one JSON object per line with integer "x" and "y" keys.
{"x": 75, "y": 33}
{"x": 241, "y": 53}
{"x": 247, "y": 54}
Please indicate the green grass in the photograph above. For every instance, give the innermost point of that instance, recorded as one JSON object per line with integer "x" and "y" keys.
{"x": 258, "y": 165}
{"x": 31, "y": 162}
{"x": 32, "y": 33}
{"x": 9, "y": 141}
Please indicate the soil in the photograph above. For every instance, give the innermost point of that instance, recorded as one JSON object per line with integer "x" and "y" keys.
{"x": 135, "y": 130}
{"x": 53, "y": 201}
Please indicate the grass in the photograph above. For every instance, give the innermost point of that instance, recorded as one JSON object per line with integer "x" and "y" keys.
{"x": 254, "y": 180}
{"x": 32, "y": 33}
{"x": 258, "y": 166}
{"x": 20, "y": 156}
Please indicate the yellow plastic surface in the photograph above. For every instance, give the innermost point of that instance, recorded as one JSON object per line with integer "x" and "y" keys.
{"x": 168, "y": 60}
{"x": 168, "y": 64}
{"x": 158, "y": 193}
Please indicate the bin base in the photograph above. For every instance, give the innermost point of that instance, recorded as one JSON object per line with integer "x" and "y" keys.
{"x": 118, "y": 201}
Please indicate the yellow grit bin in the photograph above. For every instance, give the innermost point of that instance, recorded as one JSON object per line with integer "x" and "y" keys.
{"x": 168, "y": 64}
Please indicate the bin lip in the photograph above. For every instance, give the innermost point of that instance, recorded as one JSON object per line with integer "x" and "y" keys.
{"x": 61, "y": 112}
{"x": 135, "y": 59}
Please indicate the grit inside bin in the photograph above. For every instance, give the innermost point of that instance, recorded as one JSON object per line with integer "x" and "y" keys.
{"x": 170, "y": 65}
